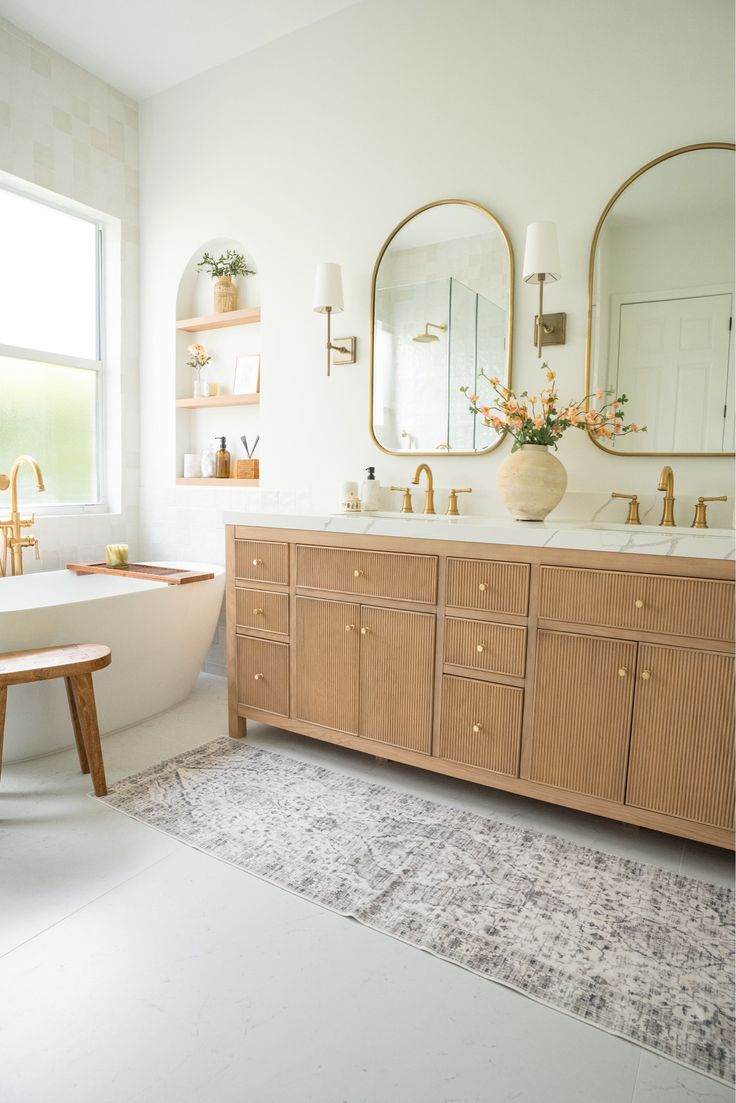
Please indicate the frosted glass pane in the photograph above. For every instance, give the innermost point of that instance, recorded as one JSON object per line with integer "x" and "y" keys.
{"x": 50, "y": 412}
{"x": 48, "y": 279}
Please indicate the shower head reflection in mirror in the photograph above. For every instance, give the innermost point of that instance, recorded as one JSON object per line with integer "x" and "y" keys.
{"x": 427, "y": 338}
{"x": 450, "y": 261}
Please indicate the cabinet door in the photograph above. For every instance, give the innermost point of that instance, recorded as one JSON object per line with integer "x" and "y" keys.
{"x": 327, "y": 663}
{"x": 397, "y": 677}
{"x": 682, "y": 756}
{"x": 582, "y": 713}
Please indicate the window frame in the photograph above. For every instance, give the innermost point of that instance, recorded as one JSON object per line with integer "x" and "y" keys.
{"x": 98, "y": 365}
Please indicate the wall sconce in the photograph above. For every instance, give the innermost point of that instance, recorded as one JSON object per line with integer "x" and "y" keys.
{"x": 328, "y": 300}
{"x": 542, "y": 263}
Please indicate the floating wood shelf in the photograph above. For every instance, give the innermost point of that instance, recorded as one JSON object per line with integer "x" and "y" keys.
{"x": 218, "y": 400}
{"x": 217, "y": 482}
{"x": 248, "y": 316}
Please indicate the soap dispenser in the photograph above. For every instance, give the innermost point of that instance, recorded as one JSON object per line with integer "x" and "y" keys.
{"x": 370, "y": 491}
{"x": 222, "y": 461}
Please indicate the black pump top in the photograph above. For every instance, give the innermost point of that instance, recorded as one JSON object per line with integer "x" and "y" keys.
{"x": 371, "y": 472}
{"x": 222, "y": 443}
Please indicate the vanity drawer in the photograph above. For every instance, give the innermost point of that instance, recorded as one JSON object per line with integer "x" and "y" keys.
{"x": 367, "y": 573}
{"x": 696, "y": 607}
{"x": 262, "y": 561}
{"x": 481, "y": 724}
{"x": 265, "y": 610}
{"x": 492, "y": 648}
{"x": 263, "y": 675}
{"x": 487, "y": 585}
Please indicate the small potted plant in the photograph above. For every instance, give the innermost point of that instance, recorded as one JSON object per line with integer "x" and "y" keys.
{"x": 198, "y": 360}
{"x": 531, "y": 481}
{"x": 223, "y": 270}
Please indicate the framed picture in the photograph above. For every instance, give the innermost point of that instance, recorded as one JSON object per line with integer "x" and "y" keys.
{"x": 247, "y": 374}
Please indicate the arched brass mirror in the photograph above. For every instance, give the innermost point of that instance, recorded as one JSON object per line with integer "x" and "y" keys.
{"x": 660, "y": 304}
{"x": 442, "y": 311}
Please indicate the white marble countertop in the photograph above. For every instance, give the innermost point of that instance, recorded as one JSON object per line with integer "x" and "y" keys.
{"x": 593, "y": 536}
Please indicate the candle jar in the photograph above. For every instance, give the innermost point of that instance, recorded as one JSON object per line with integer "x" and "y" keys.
{"x": 116, "y": 555}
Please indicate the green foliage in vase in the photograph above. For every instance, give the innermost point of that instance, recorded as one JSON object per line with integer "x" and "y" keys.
{"x": 227, "y": 264}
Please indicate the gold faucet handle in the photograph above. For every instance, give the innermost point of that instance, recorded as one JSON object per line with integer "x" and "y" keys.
{"x": 632, "y": 517}
{"x": 452, "y": 510}
{"x": 406, "y": 506}
{"x": 27, "y": 522}
{"x": 700, "y": 520}
{"x": 4, "y": 482}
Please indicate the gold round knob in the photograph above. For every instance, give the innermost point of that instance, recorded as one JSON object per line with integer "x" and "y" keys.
{"x": 257, "y": 562}
{"x": 622, "y": 672}
{"x": 349, "y": 627}
{"x": 476, "y": 728}
{"x": 483, "y": 587}
{"x": 364, "y": 631}
{"x": 639, "y": 603}
{"x": 258, "y": 612}
{"x": 257, "y": 677}
{"x": 646, "y": 675}
{"x": 357, "y": 573}
{"x": 480, "y": 647}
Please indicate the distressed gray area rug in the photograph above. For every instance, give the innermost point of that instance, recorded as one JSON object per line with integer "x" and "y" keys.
{"x": 639, "y": 952}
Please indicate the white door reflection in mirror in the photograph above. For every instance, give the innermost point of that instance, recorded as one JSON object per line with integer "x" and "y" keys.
{"x": 661, "y": 303}
{"x": 442, "y": 314}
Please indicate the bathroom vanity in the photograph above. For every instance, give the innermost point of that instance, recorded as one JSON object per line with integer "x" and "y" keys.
{"x": 586, "y": 667}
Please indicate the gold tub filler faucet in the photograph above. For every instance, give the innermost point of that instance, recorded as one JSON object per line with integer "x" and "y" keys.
{"x": 13, "y": 543}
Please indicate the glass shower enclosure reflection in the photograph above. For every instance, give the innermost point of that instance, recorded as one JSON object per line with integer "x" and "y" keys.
{"x": 444, "y": 336}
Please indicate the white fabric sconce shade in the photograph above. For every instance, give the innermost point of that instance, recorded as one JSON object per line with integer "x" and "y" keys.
{"x": 328, "y": 300}
{"x": 328, "y": 289}
{"x": 542, "y": 265}
{"x": 542, "y": 253}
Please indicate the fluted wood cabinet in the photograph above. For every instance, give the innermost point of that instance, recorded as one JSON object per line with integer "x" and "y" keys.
{"x": 599, "y": 681}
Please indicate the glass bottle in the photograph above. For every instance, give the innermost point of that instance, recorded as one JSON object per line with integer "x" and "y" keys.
{"x": 222, "y": 461}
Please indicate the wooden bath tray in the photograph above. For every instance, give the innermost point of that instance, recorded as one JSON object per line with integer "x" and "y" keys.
{"x": 174, "y": 576}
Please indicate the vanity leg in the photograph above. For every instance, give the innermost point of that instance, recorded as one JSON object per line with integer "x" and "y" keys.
{"x": 238, "y": 726}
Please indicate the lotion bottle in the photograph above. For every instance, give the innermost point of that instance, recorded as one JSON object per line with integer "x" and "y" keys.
{"x": 370, "y": 491}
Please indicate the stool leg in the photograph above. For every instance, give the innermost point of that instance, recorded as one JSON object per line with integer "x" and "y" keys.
{"x": 3, "y": 699}
{"x": 84, "y": 699}
{"x": 77, "y": 727}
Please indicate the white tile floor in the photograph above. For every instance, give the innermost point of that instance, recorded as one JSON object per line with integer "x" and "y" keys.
{"x": 137, "y": 970}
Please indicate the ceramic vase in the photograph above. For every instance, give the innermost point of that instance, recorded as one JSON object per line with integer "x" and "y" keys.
{"x": 531, "y": 482}
{"x": 201, "y": 388}
{"x": 226, "y": 294}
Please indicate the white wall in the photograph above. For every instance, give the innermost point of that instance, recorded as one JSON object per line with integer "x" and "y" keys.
{"x": 315, "y": 146}
{"x": 66, "y": 131}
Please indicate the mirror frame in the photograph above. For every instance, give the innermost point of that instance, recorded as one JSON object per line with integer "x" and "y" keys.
{"x": 591, "y": 273}
{"x": 509, "y": 328}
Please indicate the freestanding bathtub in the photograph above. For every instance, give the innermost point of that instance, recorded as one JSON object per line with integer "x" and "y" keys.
{"x": 159, "y": 636}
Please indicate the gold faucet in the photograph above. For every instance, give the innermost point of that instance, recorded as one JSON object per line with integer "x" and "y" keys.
{"x": 429, "y": 492}
{"x": 13, "y": 542}
{"x": 667, "y": 484}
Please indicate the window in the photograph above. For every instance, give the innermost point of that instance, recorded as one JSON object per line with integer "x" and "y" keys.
{"x": 50, "y": 348}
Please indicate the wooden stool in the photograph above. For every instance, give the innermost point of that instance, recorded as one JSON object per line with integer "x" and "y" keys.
{"x": 74, "y": 662}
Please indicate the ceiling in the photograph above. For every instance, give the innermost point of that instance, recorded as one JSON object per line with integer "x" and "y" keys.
{"x": 142, "y": 47}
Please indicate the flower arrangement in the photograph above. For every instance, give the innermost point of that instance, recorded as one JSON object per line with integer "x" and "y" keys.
{"x": 227, "y": 264}
{"x": 198, "y": 359}
{"x": 541, "y": 419}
